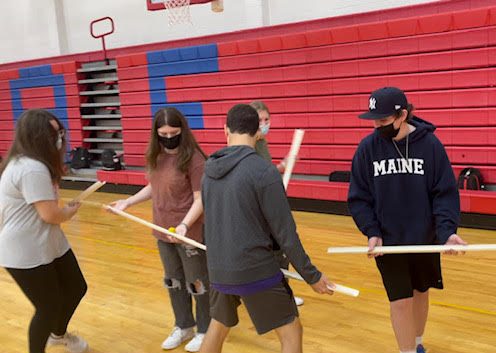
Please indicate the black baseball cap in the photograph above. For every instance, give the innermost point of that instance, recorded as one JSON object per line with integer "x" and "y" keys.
{"x": 385, "y": 102}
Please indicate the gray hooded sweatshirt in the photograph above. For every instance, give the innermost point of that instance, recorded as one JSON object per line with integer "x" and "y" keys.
{"x": 244, "y": 203}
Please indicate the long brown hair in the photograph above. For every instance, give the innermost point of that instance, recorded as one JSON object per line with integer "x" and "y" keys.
{"x": 174, "y": 118}
{"x": 36, "y": 138}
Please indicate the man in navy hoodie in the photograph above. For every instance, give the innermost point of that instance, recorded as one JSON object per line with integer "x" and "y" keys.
{"x": 403, "y": 192}
{"x": 244, "y": 203}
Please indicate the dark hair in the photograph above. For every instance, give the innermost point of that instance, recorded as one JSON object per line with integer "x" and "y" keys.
{"x": 410, "y": 108}
{"x": 260, "y": 106}
{"x": 172, "y": 117}
{"x": 36, "y": 138}
{"x": 242, "y": 119}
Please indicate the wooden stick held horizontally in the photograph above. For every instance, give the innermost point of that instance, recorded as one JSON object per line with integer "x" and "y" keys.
{"x": 410, "y": 249}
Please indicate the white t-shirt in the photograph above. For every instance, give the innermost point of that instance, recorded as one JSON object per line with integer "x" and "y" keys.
{"x": 26, "y": 241}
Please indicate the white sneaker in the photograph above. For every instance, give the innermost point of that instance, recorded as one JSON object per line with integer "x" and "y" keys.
{"x": 177, "y": 337}
{"x": 195, "y": 344}
{"x": 299, "y": 301}
{"x": 73, "y": 343}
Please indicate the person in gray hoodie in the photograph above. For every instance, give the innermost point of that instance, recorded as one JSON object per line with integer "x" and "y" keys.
{"x": 244, "y": 203}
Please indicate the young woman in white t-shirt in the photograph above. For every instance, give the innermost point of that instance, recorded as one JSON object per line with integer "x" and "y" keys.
{"x": 33, "y": 248}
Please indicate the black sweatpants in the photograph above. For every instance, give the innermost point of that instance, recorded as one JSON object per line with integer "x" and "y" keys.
{"x": 55, "y": 290}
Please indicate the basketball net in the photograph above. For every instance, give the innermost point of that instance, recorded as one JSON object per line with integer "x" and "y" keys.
{"x": 178, "y": 11}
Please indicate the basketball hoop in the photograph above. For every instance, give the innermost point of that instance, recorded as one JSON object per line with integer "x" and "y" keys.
{"x": 178, "y": 10}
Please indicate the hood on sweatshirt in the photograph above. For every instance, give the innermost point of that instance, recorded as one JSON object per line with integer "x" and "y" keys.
{"x": 422, "y": 128}
{"x": 223, "y": 161}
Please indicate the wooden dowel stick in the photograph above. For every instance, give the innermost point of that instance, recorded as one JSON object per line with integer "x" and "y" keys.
{"x": 83, "y": 202}
{"x": 293, "y": 154}
{"x": 155, "y": 227}
{"x": 337, "y": 287}
{"x": 407, "y": 249}
{"x": 91, "y": 189}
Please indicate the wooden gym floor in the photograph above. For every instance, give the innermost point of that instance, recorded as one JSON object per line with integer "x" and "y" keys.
{"x": 127, "y": 310}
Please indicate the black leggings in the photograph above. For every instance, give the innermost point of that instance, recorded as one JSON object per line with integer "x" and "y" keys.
{"x": 55, "y": 290}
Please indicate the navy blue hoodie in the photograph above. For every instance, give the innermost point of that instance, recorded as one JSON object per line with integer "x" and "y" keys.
{"x": 405, "y": 201}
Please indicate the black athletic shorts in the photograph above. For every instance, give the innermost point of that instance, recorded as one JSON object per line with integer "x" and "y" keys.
{"x": 403, "y": 273}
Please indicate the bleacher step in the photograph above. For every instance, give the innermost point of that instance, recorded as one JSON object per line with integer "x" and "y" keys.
{"x": 101, "y": 128}
{"x": 100, "y": 105}
{"x": 101, "y": 116}
{"x": 98, "y": 68}
{"x": 99, "y": 92}
{"x": 112, "y": 79}
{"x": 100, "y": 151}
{"x": 101, "y": 139}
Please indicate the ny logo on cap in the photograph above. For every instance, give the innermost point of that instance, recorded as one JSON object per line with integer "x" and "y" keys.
{"x": 372, "y": 102}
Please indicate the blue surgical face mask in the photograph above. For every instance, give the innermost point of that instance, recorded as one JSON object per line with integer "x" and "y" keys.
{"x": 264, "y": 129}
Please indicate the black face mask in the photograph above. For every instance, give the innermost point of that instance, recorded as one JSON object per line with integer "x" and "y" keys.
{"x": 170, "y": 143}
{"x": 388, "y": 131}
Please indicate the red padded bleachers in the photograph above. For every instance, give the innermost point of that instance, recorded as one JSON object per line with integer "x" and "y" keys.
{"x": 320, "y": 80}
{"x": 447, "y": 99}
{"x": 129, "y": 177}
{"x": 351, "y": 67}
{"x": 473, "y": 38}
{"x": 471, "y": 201}
{"x": 45, "y": 97}
{"x": 421, "y": 82}
{"x": 436, "y": 23}
{"x": 69, "y": 79}
{"x": 287, "y": 77}
{"x": 470, "y": 117}
{"x": 70, "y": 90}
{"x": 442, "y": 99}
{"x": 481, "y": 136}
